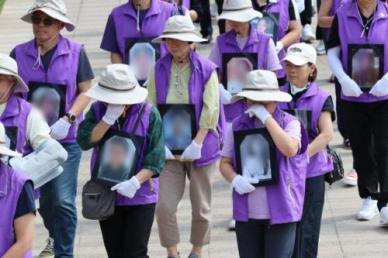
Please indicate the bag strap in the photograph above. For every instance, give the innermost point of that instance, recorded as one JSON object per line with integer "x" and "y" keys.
{"x": 141, "y": 111}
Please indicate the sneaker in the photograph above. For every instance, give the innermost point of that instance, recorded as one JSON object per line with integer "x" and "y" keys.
{"x": 384, "y": 216}
{"x": 194, "y": 256}
{"x": 321, "y": 50}
{"x": 48, "y": 251}
{"x": 307, "y": 33}
{"x": 232, "y": 225}
{"x": 368, "y": 209}
{"x": 350, "y": 179}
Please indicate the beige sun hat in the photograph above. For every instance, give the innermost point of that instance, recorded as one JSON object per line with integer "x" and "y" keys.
{"x": 179, "y": 27}
{"x": 118, "y": 85}
{"x": 4, "y": 150}
{"x": 301, "y": 54}
{"x": 239, "y": 11}
{"x": 54, "y": 8}
{"x": 262, "y": 85}
{"x": 8, "y": 66}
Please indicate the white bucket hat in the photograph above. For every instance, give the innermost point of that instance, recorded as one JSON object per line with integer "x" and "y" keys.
{"x": 179, "y": 27}
{"x": 301, "y": 54}
{"x": 262, "y": 85}
{"x": 8, "y": 66}
{"x": 239, "y": 11}
{"x": 118, "y": 85}
{"x": 54, "y": 8}
{"x": 4, "y": 150}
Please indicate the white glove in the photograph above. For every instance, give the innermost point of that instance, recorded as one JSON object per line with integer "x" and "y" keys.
{"x": 380, "y": 89}
{"x": 168, "y": 155}
{"x": 279, "y": 46}
{"x": 243, "y": 185}
{"x": 258, "y": 111}
{"x": 113, "y": 112}
{"x": 127, "y": 188}
{"x": 60, "y": 129}
{"x": 349, "y": 87}
{"x": 192, "y": 152}
{"x": 225, "y": 95}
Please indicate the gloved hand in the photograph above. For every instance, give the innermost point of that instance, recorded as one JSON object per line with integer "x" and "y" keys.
{"x": 60, "y": 129}
{"x": 225, "y": 95}
{"x": 279, "y": 46}
{"x": 380, "y": 89}
{"x": 349, "y": 87}
{"x": 192, "y": 152}
{"x": 168, "y": 155}
{"x": 127, "y": 188}
{"x": 243, "y": 185}
{"x": 258, "y": 111}
{"x": 113, "y": 112}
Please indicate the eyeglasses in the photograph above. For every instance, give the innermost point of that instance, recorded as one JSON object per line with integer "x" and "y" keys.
{"x": 46, "y": 21}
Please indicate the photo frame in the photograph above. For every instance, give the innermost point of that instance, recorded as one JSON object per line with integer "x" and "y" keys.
{"x": 256, "y": 156}
{"x": 366, "y": 64}
{"x": 49, "y": 98}
{"x": 304, "y": 117}
{"x": 179, "y": 125}
{"x": 235, "y": 66}
{"x": 118, "y": 155}
{"x": 268, "y": 24}
{"x": 141, "y": 55}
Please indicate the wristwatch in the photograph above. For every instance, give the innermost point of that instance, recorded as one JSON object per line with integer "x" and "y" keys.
{"x": 71, "y": 118}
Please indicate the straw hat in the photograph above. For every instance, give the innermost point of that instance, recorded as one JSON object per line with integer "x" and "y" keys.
{"x": 8, "y": 66}
{"x": 262, "y": 85}
{"x": 301, "y": 54}
{"x": 54, "y": 8}
{"x": 4, "y": 150}
{"x": 179, "y": 27}
{"x": 239, "y": 11}
{"x": 118, "y": 85}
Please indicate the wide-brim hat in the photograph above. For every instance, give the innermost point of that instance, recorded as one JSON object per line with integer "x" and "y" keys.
{"x": 179, "y": 27}
{"x": 262, "y": 86}
{"x": 4, "y": 150}
{"x": 118, "y": 85}
{"x": 56, "y": 9}
{"x": 239, "y": 11}
{"x": 8, "y": 66}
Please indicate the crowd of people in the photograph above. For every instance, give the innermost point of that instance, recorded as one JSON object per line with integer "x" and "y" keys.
{"x": 162, "y": 114}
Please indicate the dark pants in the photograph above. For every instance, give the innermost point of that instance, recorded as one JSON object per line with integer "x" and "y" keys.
{"x": 308, "y": 229}
{"x": 319, "y": 34}
{"x": 221, "y": 23}
{"x": 307, "y": 14}
{"x": 258, "y": 239}
{"x": 368, "y": 135}
{"x": 205, "y": 19}
{"x": 341, "y": 122}
{"x": 127, "y": 232}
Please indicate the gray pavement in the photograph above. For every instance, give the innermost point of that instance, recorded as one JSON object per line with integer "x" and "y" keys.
{"x": 341, "y": 236}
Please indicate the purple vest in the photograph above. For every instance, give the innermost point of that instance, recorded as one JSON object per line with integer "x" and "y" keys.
{"x": 312, "y": 100}
{"x": 63, "y": 70}
{"x": 148, "y": 193}
{"x": 257, "y": 43}
{"x": 201, "y": 70}
{"x": 11, "y": 185}
{"x": 286, "y": 198}
{"x": 350, "y": 28}
{"x": 125, "y": 18}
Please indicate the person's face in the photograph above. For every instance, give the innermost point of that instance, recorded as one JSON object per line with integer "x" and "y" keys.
{"x": 143, "y": 63}
{"x": 298, "y": 75}
{"x": 240, "y": 28}
{"x": 178, "y": 49}
{"x": 6, "y": 84}
{"x": 117, "y": 156}
{"x": 178, "y": 123}
{"x": 44, "y": 27}
{"x": 237, "y": 70}
{"x": 48, "y": 107}
{"x": 366, "y": 62}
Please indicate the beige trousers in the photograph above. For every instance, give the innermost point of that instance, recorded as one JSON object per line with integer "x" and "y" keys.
{"x": 172, "y": 187}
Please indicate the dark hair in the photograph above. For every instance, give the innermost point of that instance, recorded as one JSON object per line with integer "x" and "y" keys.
{"x": 313, "y": 76}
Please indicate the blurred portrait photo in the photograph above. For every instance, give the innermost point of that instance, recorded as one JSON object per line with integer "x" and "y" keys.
{"x": 48, "y": 101}
{"x": 142, "y": 58}
{"x": 237, "y": 68}
{"x": 267, "y": 24}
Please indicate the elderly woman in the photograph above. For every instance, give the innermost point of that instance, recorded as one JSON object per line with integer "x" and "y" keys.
{"x": 183, "y": 77}
{"x": 42, "y": 62}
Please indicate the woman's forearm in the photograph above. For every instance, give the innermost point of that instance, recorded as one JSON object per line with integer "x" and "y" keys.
{"x": 226, "y": 169}
{"x": 326, "y": 134}
{"x": 325, "y": 21}
{"x": 284, "y": 142}
{"x": 98, "y": 132}
{"x": 201, "y": 135}
{"x": 293, "y": 35}
{"x": 115, "y": 58}
{"x": 79, "y": 105}
{"x": 144, "y": 175}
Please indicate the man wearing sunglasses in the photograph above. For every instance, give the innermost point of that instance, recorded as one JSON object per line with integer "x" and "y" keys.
{"x": 55, "y": 62}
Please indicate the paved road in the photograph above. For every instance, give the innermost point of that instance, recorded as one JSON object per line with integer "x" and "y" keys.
{"x": 342, "y": 235}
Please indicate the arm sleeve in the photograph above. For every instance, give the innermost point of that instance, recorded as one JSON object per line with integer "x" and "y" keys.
{"x": 334, "y": 39}
{"x": 328, "y": 106}
{"x": 154, "y": 157}
{"x": 293, "y": 129}
{"x": 26, "y": 201}
{"x": 211, "y": 104}
{"x": 85, "y": 130}
{"x": 85, "y": 71}
{"x": 38, "y": 130}
{"x": 228, "y": 148}
{"x": 109, "y": 42}
{"x": 215, "y": 55}
{"x": 150, "y": 84}
{"x": 272, "y": 62}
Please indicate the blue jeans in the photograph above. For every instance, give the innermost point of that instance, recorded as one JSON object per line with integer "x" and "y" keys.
{"x": 57, "y": 204}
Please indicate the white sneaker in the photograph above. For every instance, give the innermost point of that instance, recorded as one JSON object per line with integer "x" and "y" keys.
{"x": 368, "y": 209}
{"x": 48, "y": 251}
{"x": 307, "y": 33}
{"x": 320, "y": 48}
{"x": 384, "y": 216}
{"x": 350, "y": 178}
{"x": 232, "y": 225}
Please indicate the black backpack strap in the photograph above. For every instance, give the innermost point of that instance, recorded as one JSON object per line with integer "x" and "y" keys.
{"x": 141, "y": 111}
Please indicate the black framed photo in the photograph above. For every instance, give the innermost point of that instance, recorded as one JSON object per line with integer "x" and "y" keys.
{"x": 235, "y": 66}
{"x": 366, "y": 64}
{"x": 304, "y": 117}
{"x": 141, "y": 55}
{"x": 118, "y": 157}
{"x": 256, "y": 156}
{"x": 268, "y": 24}
{"x": 49, "y": 98}
{"x": 179, "y": 125}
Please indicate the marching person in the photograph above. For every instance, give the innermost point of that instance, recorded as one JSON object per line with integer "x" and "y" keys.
{"x": 315, "y": 109}
{"x": 120, "y": 107}
{"x": 42, "y": 62}
{"x": 357, "y": 24}
{"x": 266, "y": 216}
{"x": 184, "y": 77}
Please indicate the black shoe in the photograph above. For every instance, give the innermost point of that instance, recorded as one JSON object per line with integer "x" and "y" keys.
{"x": 208, "y": 38}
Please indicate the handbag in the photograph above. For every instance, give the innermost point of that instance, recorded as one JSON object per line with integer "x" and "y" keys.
{"x": 337, "y": 173}
{"x": 98, "y": 201}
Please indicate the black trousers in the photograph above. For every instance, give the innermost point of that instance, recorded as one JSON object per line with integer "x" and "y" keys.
{"x": 205, "y": 19}
{"x": 341, "y": 118}
{"x": 308, "y": 229}
{"x": 127, "y": 232}
{"x": 221, "y": 23}
{"x": 258, "y": 239}
{"x": 307, "y": 14}
{"x": 368, "y": 135}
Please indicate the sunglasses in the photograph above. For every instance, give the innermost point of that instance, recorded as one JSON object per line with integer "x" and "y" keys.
{"x": 46, "y": 21}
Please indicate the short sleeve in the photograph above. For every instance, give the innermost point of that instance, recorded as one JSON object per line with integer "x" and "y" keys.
{"x": 328, "y": 106}
{"x": 228, "y": 148}
{"x": 215, "y": 55}
{"x": 272, "y": 62}
{"x": 334, "y": 40}
{"x": 26, "y": 201}
{"x": 85, "y": 71}
{"x": 293, "y": 129}
{"x": 109, "y": 42}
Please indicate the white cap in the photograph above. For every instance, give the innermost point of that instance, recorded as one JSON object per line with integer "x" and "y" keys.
{"x": 239, "y": 11}
{"x": 8, "y": 66}
{"x": 301, "y": 54}
{"x": 4, "y": 150}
